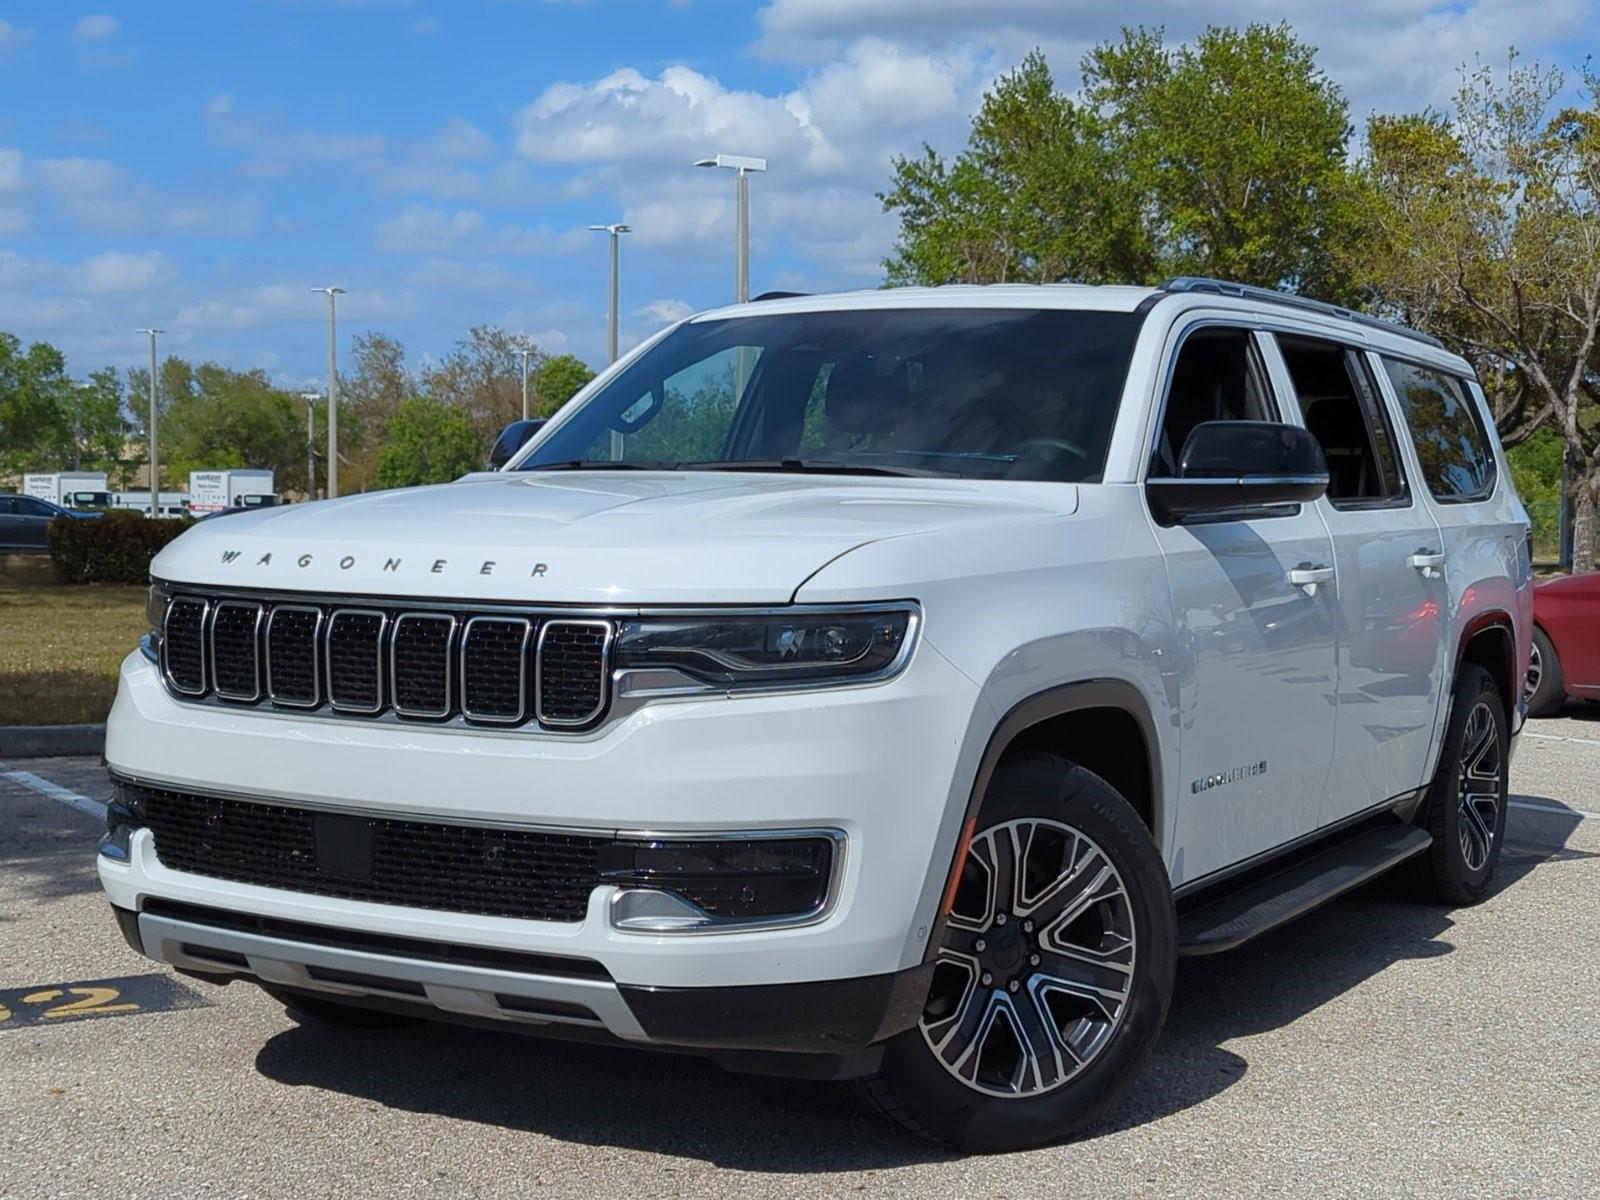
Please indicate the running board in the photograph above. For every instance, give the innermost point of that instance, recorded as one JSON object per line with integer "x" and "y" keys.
{"x": 1223, "y": 922}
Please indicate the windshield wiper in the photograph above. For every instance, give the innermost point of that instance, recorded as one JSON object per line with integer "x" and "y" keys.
{"x": 600, "y": 464}
{"x": 811, "y": 466}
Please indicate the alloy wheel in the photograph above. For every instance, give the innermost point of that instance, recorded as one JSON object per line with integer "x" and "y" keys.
{"x": 1535, "y": 675}
{"x": 1036, "y": 966}
{"x": 1480, "y": 787}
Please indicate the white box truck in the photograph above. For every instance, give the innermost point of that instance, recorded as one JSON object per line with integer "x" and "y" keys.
{"x": 213, "y": 491}
{"x": 72, "y": 489}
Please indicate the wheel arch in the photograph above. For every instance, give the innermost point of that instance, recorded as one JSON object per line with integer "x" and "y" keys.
{"x": 1037, "y": 722}
{"x": 1490, "y": 641}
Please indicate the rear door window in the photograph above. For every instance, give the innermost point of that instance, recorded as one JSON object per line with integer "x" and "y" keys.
{"x": 1339, "y": 402}
{"x": 1452, "y": 444}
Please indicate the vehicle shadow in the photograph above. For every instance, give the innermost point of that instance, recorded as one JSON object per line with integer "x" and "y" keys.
{"x": 679, "y": 1105}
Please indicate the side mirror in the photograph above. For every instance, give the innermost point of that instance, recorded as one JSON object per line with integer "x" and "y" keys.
{"x": 1234, "y": 467}
{"x": 512, "y": 438}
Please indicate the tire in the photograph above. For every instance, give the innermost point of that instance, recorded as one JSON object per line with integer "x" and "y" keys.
{"x": 314, "y": 1010}
{"x": 1097, "y": 877}
{"x": 1465, "y": 809}
{"x": 1547, "y": 694}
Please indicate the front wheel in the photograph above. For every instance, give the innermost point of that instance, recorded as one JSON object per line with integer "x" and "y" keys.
{"x": 1545, "y": 689}
{"x": 1053, "y": 975}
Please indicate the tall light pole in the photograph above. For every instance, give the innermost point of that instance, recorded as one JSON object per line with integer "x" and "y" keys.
{"x": 615, "y": 231}
{"x": 333, "y": 394}
{"x": 155, "y": 419}
{"x": 524, "y": 350}
{"x": 311, "y": 399}
{"x": 743, "y": 165}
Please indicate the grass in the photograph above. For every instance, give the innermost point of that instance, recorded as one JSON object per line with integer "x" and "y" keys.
{"x": 60, "y": 646}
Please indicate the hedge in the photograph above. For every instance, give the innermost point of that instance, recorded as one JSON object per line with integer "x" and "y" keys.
{"x": 115, "y": 548}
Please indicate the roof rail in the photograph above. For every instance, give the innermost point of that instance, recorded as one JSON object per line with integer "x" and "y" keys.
{"x": 776, "y": 296}
{"x": 1244, "y": 291}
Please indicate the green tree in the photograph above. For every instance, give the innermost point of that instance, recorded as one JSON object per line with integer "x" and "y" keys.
{"x": 558, "y": 380}
{"x": 35, "y": 408}
{"x": 1035, "y": 196}
{"x": 1226, "y": 157}
{"x": 482, "y": 376}
{"x": 1490, "y": 237}
{"x": 100, "y": 425}
{"x": 427, "y": 441}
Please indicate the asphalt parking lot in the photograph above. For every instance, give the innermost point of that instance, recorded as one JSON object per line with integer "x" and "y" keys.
{"x": 1376, "y": 1048}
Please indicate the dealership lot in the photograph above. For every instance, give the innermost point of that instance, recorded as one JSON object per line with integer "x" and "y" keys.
{"x": 1375, "y": 1048}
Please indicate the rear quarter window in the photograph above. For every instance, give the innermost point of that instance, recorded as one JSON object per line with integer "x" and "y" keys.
{"x": 1452, "y": 445}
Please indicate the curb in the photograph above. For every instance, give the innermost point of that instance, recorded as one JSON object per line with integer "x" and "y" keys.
{"x": 51, "y": 741}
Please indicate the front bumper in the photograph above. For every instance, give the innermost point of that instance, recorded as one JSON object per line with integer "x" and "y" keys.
{"x": 840, "y": 1017}
{"x": 877, "y": 763}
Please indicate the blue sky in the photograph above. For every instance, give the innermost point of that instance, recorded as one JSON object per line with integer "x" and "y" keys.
{"x": 198, "y": 164}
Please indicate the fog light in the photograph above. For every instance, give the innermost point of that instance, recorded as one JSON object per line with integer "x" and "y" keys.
{"x": 124, "y": 814}
{"x": 721, "y": 882}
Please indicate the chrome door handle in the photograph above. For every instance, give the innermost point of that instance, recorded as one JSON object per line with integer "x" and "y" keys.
{"x": 1427, "y": 561}
{"x": 1307, "y": 574}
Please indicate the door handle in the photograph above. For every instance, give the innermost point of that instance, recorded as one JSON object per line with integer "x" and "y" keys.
{"x": 1306, "y": 574}
{"x": 1427, "y": 561}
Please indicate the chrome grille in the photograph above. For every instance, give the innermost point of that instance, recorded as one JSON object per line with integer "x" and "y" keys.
{"x": 573, "y": 656}
{"x": 420, "y": 664}
{"x": 355, "y": 660}
{"x": 494, "y": 668}
{"x": 490, "y": 668}
{"x": 183, "y": 641}
{"x": 235, "y": 650}
{"x": 293, "y": 677}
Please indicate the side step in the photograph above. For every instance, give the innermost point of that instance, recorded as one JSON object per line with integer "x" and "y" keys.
{"x": 1224, "y": 921}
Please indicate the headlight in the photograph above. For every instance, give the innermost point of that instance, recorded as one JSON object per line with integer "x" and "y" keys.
{"x": 808, "y": 647}
{"x": 155, "y": 612}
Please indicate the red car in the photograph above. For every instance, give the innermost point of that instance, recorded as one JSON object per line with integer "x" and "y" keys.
{"x": 1566, "y": 643}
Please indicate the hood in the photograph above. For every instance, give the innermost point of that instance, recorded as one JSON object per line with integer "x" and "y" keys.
{"x": 588, "y": 537}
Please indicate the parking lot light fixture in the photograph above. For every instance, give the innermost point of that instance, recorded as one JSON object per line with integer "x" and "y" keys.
{"x": 311, "y": 399}
{"x": 742, "y": 164}
{"x": 524, "y": 351}
{"x": 155, "y": 417}
{"x": 333, "y": 393}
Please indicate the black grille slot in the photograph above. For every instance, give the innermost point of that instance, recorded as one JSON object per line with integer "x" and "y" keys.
{"x": 292, "y": 655}
{"x": 235, "y": 668}
{"x": 355, "y": 660}
{"x": 572, "y": 671}
{"x": 420, "y": 864}
{"x": 421, "y": 664}
{"x": 183, "y": 642}
{"x": 494, "y": 669}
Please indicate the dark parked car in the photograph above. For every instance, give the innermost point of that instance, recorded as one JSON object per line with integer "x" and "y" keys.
{"x": 25, "y": 521}
{"x": 1566, "y": 643}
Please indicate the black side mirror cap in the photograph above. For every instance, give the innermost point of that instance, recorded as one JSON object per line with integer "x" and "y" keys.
{"x": 1240, "y": 468}
{"x": 512, "y": 438}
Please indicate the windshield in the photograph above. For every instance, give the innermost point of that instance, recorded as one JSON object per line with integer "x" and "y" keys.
{"x": 998, "y": 393}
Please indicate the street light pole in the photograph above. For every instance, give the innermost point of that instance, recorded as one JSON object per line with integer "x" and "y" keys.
{"x": 615, "y": 231}
{"x": 155, "y": 418}
{"x": 311, "y": 399}
{"x": 524, "y": 351}
{"x": 333, "y": 393}
{"x": 743, "y": 165}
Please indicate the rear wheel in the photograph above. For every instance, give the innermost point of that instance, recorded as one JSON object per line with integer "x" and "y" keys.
{"x": 1053, "y": 975}
{"x": 1466, "y": 805}
{"x": 1545, "y": 690}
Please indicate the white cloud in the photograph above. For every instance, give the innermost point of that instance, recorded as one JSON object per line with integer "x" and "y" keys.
{"x": 96, "y": 28}
{"x": 665, "y": 312}
{"x": 275, "y": 148}
{"x": 10, "y": 168}
{"x": 118, "y": 271}
{"x": 422, "y": 230}
{"x": 11, "y": 35}
{"x": 12, "y": 220}
{"x": 288, "y": 302}
{"x": 1385, "y": 54}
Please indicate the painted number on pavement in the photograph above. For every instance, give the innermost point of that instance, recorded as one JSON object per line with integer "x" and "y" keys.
{"x": 58, "y": 1003}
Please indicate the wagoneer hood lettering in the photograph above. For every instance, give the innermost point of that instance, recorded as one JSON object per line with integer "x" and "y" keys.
{"x": 591, "y": 538}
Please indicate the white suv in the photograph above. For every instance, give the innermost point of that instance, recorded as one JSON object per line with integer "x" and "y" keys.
{"x": 886, "y": 686}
